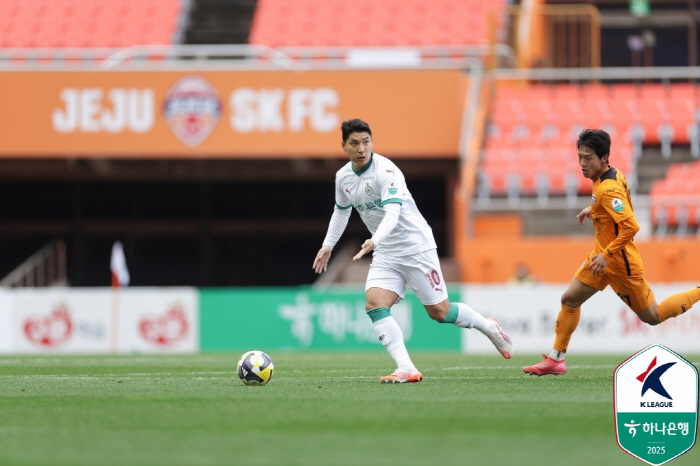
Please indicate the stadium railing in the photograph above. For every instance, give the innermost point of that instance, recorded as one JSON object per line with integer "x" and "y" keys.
{"x": 257, "y": 57}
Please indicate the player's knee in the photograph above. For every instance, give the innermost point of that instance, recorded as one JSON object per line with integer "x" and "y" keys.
{"x": 570, "y": 301}
{"x": 371, "y": 305}
{"x": 651, "y": 318}
{"x": 438, "y": 312}
{"x": 437, "y": 315}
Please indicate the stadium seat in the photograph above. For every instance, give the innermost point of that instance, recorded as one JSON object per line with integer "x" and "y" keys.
{"x": 595, "y": 106}
{"x": 87, "y": 23}
{"x": 675, "y": 199}
{"x": 682, "y": 106}
{"x": 408, "y": 22}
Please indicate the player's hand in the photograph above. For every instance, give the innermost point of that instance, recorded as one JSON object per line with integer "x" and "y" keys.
{"x": 367, "y": 246}
{"x": 322, "y": 258}
{"x": 598, "y": 264}
{"x": 583, "y": 214}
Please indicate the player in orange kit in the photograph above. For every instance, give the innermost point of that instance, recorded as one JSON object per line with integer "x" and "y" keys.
{"x": 614, "y": 261}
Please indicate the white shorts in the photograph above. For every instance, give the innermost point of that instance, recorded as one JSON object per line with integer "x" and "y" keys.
{"x": 421, "y": 271}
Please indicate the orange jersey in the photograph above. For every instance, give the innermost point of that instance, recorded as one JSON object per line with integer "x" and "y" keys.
{"x": 611, "y": 204}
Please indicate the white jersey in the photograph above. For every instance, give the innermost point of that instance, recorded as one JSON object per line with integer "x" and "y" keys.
{"x": 379, "y": 183}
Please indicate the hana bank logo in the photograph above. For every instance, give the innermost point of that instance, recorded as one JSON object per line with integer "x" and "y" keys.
{"x": 49, "y": 331}
{"x": 192, "y": 109}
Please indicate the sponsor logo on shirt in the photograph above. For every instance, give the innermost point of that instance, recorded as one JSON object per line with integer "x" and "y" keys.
{"x": 593, "y": 199}
{"x": 617, "y": 205}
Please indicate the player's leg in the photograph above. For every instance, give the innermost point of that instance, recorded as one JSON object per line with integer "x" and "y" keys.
{"x": 575, "y": 295}
{"x": 385, "y": 287}
{"x": 569, "y": 315}
{"x": 673, "y": 306}
{"x": 422, "y": 272}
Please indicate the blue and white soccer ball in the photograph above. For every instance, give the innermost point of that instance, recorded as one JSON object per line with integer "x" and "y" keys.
{"x": 255, "y": 368}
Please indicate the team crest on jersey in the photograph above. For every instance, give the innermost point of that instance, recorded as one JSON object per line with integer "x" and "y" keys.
{"x": 617, "y": 205}
{"x": 192, "y": 109}
{"x": 593, "y": 199}
{"x": 393, "y": 189}
{"x": 368, "y": 189}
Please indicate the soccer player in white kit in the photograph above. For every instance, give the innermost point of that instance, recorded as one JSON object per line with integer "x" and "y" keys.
{"x": 404, "y": 250}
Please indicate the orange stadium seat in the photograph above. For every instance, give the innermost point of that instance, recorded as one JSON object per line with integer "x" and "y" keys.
{"x": 87, "y": 23}
{"x": 595, "y": 106}
{"x": 653, "y": 111}
{"x": 682, "y": 105}
{"x": 625, "y": 107}
{"x": 407, "y": 22}
{"x": 675, "y": 199}
{"x": 539, "y": 125}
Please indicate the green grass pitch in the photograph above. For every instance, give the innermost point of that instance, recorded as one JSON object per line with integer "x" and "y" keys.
{"x": 319, "y": 409}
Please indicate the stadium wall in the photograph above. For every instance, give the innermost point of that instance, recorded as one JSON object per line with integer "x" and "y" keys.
{"x": 494, "y": 259}
{"x": 227, "y": 114}
{"x": 190, "y": 320}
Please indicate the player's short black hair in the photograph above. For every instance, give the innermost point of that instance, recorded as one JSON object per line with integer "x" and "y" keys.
{"x": 354, "y": 125}
{"x": 595, "y": 139}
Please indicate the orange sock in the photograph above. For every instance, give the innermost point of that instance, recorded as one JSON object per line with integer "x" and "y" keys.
{"x": 565, "y": 326}
{"x": 678, "y": 303}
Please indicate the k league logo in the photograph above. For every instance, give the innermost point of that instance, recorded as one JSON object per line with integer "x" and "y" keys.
{"x": 656, "y": 405}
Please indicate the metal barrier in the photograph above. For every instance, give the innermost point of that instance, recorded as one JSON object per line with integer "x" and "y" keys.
{"x": 252, "y": 57}
{"x": 46, "y": 267}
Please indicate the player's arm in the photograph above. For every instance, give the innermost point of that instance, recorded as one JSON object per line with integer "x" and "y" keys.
{"x": 336, "y": 227}
{"x": 627, "y": 228}
{"x": 614, "y": 203}
{"x": 585, "y": 213}
{"x": 386, "y": 226}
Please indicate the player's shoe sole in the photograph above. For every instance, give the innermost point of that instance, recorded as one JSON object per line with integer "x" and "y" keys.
{"x": 547, "y": 367}
{"x": 501, "y": 341}
{"x": 402, "y": 377}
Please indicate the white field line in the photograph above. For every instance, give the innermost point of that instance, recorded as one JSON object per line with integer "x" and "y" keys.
{"x": 219, "y": 374}
{"x": 111, "y": 361}
{"x": 136, "y": 375}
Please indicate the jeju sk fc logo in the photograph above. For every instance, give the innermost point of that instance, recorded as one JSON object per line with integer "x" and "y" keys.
{"x": 192, "y": 109}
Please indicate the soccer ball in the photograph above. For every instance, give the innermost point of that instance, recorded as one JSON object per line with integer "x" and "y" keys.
{"x": 255, "y": 368}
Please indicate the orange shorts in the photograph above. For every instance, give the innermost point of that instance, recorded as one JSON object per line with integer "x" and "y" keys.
{"x": 632, "y": 289}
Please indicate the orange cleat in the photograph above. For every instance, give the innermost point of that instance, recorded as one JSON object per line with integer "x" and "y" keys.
{"x": 548, "y": 366}
{"x": 402, "y": 377}
{"x": 501, "y": 341}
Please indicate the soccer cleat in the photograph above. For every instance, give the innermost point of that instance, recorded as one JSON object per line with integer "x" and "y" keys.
{"x": 501, "y": 341}
{"x": 402, "y": 377}
{"x": 548, "y": 366}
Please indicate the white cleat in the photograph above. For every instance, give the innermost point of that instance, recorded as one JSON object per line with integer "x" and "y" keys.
{"x": 501, "y": 341}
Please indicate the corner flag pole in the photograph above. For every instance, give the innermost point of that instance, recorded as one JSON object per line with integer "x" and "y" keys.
{"x": 120, "y": 276}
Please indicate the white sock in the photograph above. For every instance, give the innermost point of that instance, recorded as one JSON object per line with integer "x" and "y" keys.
{"x": 557, "y": 355}
{"x": 469, "y": 318}
{"x": 391, "y": 336}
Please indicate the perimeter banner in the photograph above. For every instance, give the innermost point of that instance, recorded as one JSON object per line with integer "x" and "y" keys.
{"x": 528, "y": 314}
{"x": 242, "y": 114}
{"x": 99, "y": 320}
{"x": 302, "y": 318}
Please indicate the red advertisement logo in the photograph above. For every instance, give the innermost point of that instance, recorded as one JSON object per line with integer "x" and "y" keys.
{"x": 50, "y": 331}
{"x": 166, "y": 329}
